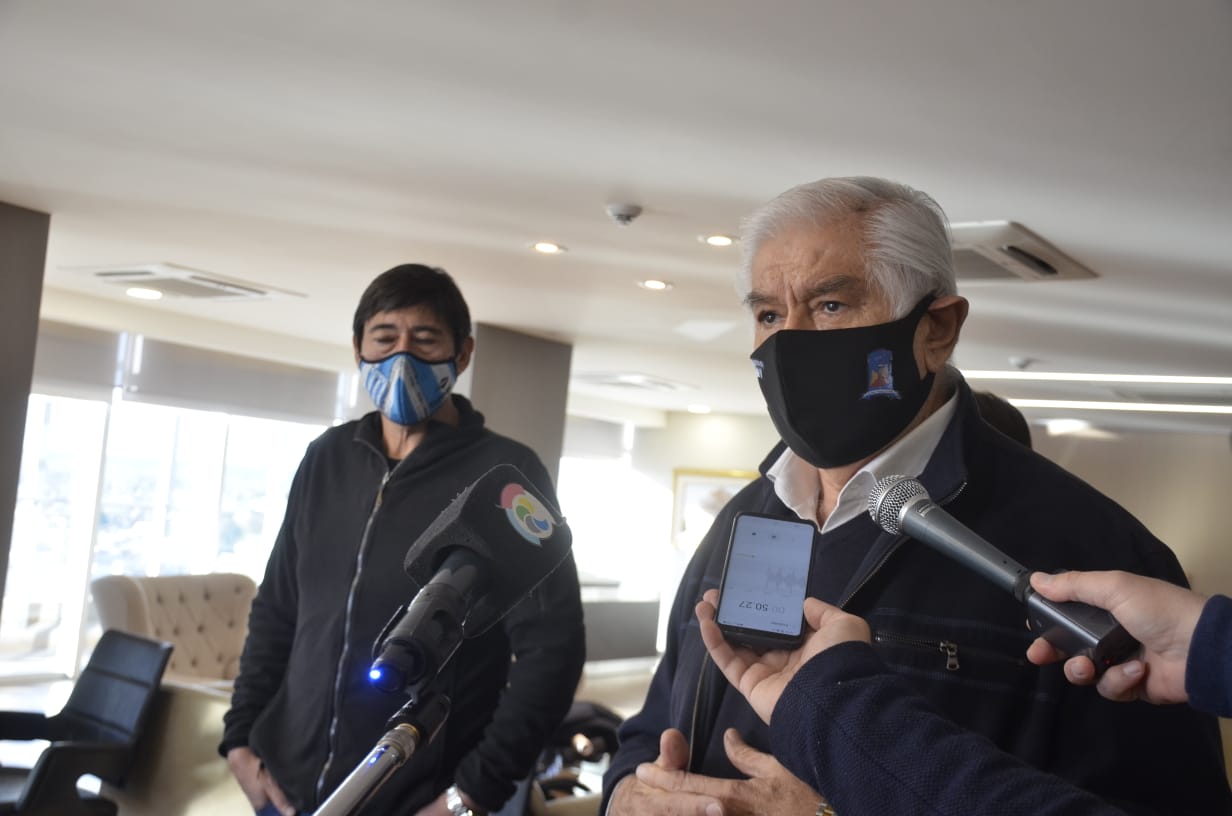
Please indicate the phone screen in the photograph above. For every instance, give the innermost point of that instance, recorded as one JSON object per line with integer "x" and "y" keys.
{"x": 765, "y": 579}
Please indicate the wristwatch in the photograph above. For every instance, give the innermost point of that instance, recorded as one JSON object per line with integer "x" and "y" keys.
{"x": 453, "y": 801}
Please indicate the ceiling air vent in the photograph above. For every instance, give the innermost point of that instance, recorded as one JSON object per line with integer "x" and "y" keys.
{"x": 182, "y": 282}
{"x": 1003, "y": 250}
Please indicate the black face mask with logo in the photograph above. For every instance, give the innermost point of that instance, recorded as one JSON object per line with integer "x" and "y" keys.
{"x": 838, "y": 396}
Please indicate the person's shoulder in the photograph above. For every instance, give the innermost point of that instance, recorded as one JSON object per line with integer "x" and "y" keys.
{"x": 342, "y": 440}
{"x": 501, "y": 448}
{"x": 1059, "y": 509}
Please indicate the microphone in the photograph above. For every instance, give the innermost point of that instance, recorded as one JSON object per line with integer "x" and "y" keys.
{"x": 489, "y": 549}
{"x": 901, "y": 504}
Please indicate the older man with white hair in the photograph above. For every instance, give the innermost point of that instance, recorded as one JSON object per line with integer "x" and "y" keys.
{"x": 851, "y": 286}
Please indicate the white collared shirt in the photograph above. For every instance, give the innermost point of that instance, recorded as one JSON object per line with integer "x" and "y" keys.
{"x": 798, "y": 484}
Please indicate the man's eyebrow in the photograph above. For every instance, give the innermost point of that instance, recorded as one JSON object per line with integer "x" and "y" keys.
{"x": 416, "y": 329}
{"x": 754, "y": 299}
{"x": 837, "y": 284}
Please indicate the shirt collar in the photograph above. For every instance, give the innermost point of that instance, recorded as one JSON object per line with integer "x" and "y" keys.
{"x": 798, "y": 484}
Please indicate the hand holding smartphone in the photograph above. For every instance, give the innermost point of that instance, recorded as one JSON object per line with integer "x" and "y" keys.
{"x": 765, "y": 580}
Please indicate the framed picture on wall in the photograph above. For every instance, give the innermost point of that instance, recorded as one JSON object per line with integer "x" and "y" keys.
{"x": 699, "y": 495}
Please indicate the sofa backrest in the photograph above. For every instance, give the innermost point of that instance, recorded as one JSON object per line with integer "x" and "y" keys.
{"x": 204, "y": 616}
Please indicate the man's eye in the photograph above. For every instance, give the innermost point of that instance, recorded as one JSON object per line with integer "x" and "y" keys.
{"x": 831, "y": 307}
{"x": 767, "y": 318}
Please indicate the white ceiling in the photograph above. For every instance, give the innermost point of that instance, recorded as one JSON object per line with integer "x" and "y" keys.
{"x": 310, "y": 145}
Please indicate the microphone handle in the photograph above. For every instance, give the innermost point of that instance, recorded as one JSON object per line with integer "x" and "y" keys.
{"x": 1074, "y": 628}
{"x": 924, "y": 521}
{"x": 1080, "y": 629}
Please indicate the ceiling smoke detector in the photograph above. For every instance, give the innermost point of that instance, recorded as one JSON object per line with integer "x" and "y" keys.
{"x": 624, "y": 214}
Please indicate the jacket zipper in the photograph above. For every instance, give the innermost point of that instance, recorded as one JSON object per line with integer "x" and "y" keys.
{"x": 694, "y": 720}
{"x": 339, "y": 669}
{"x": 948, "y": 648}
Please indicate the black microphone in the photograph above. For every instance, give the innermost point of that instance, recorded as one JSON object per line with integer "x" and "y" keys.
{"x": 901, "y": 504}
{"x": 494, "y": 543}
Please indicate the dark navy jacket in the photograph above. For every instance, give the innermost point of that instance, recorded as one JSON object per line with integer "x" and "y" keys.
{"x": 956, "y": 638}
{"x": 1208, "y": 673}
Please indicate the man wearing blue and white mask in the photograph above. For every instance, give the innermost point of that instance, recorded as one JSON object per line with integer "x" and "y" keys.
{"x": 303, "y": 713}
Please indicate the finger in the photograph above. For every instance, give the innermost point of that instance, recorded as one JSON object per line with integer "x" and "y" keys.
{"x": 730, "y": 662}
{"x": 1122, "y": 682}
{"x": 747, "y": 759}
{"x": 664, "y": 779}
{"x": 813, "y": 610}
{"x": 692, "y": 786}
{"x": 711, "y": 596}
{"x": 677, "y": 798}
{"x": 1102, "y": 589}
{"x": 673, "y": 750}
{"x": 1041, "y": 653}
{"x": 845, "y": 625}
{"x": 277, "y": 797}
{"x": 1080, "y": 671}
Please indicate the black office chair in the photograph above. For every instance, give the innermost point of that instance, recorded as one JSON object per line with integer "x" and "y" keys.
{"x": 95, "y": 733}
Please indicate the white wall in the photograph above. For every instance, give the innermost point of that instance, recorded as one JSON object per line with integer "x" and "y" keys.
{"x": 1177, "y": 484}
{"x": 703, "y": 442}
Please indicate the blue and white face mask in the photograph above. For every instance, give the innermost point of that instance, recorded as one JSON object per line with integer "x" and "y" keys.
{"x": 408, "y": 389}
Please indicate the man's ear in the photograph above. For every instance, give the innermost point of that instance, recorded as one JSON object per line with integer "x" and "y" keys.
{"x": 939, "y": 330}
{"x": 464, "y": 356}
{"x": 355, "y": 347}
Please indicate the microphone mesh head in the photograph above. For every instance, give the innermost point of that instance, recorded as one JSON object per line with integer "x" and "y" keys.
{"x": 888, "y": 498}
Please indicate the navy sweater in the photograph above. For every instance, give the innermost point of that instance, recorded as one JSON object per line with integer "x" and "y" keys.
{"x": 1208, "y": 673}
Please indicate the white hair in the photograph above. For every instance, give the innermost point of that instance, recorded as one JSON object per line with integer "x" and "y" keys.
{"x": 906, "y": 235}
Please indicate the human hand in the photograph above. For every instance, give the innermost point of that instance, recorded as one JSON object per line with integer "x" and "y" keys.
{"x": 438, "y": 807}
{"x": 256, "y": 782}
{"x": 762, "y": 678}
{"x": 1160, "y": 615}
{"x": 632, "y": 797}
{"x": 770, "y": 788}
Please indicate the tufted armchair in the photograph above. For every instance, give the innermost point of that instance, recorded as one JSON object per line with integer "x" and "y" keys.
{"x": 179, "y": 772}
{"x": 205, "y": 616}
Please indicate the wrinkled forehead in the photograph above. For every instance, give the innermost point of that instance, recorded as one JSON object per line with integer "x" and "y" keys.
{"x": 421, "y": 315}
{"x": 804, "y": 255}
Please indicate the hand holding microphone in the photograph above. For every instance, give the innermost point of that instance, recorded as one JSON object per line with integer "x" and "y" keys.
{"x": 901, "y": 504}
{"x": 1161, "y": 615}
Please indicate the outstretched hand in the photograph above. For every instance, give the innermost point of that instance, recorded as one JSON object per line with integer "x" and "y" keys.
{"x": 761, "y": 678}
{"x": 1160, "y": 615}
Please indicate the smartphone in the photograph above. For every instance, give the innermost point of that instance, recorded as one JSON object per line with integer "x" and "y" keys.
{"x": 765, "y": 579}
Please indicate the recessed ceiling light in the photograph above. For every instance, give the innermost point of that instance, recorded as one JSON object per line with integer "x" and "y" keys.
{"x": 142, "y": 293}
{"x": 548, "y": 248}
{"x": 717, "y": 240}
{"x": 698, "y": 408}
{"x": 655, "y": 285}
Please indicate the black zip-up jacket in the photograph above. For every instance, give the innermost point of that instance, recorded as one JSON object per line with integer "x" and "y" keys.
{"x": 303, "y": 701}
{"x": 956, "y": 638}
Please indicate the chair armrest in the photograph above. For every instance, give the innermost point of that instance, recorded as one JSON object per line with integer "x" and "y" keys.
{"x": 66, "y": 761}
{"x": 23, "y": 725}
